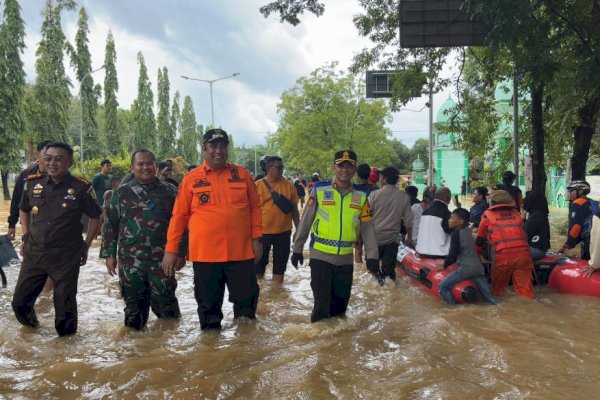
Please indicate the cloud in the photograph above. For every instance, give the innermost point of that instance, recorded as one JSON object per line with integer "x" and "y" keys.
{"x": 210, "y": 39}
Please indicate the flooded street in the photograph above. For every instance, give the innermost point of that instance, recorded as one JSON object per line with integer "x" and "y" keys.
{"x": 396, "y": 342}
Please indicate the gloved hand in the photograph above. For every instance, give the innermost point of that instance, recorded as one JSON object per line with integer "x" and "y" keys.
{"x": 297, "y": 258}
{"x": 373, "y": 265}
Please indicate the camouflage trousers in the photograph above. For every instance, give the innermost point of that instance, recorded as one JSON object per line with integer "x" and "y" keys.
{"x": 143, "y": 286}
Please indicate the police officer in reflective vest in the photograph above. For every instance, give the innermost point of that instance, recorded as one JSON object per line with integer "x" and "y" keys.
{"x": 336, "y": 215}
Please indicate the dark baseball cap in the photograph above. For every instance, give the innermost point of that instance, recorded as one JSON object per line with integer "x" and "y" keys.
{"x": 212, "y": 135}
{"x": 345, "y": 155}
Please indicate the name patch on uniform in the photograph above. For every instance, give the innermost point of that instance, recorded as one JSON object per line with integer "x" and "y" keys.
{"x": 328, "y": 195}
{"x": 328, "y": 203}
{"x": 235, "y": 176}
{"x": 37, "y": 190}
{"x": 355, "y": 206}
{"x": 204, "y": 198}
{"x": 201, "y": 183}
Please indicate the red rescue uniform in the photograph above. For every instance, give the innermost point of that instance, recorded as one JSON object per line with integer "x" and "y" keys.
{"x": 502, "y": 227}
{"x": 221, "y": 209}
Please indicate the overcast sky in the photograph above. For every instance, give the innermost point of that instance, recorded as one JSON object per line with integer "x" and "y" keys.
{"x": 209, "y": 39}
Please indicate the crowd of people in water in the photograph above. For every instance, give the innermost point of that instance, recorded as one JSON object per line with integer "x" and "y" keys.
{"x": 227, "y": 223}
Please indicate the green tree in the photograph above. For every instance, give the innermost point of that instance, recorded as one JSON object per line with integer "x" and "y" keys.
{"x": 81, "y": 60}
{"x": 114, "y": 138}
{"x": 12, "y": 90}
{"x": 52, "y": 96}
{"x": 143, "y": 134}
{"x": 125, "y": 124}
{"x": 189, "y": 133}
{"x": 326, "y": 112}
{"x": 252, "y": 156}
{"x": 575, "y": 92}
{"x": 289, "y": 10}
{"x": 175, "y": 122}
{"x": 402, "y": 157}
{"x": 165, "y": 146}
{"x": 544, "y": 40}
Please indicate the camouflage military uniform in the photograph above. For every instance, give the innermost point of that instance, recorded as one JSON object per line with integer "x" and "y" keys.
{"x": 137, "y": 222}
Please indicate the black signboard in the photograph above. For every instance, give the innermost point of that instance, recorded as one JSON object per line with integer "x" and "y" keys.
{"x": 439, "y": 23}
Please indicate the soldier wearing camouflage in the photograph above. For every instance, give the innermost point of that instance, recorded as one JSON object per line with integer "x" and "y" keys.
{"x": 135, "y": 234}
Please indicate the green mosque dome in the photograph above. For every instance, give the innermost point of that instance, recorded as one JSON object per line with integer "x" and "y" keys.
{"x": 418, "y": 165}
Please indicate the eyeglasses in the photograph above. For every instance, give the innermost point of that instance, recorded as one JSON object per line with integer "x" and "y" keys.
{"x": 58, "y": 159}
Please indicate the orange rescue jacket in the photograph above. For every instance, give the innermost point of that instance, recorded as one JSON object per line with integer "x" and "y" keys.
{"x": 502, "y": 227}
{"x": 222, "y": 211}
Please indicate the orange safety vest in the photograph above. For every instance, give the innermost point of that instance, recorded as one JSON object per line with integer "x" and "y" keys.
{"x": 503, "y": 228}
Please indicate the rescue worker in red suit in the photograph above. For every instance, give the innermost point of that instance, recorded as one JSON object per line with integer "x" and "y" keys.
{"x": 503, "y": 230}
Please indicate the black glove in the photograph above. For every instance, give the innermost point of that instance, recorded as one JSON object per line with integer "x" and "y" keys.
{"x": 297, "y": 258}
{"x": 373, "y": 265}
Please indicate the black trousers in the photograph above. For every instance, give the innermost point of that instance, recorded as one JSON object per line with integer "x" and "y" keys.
{"x": 331, "y": 286}
{"x": 209, "y": 289}
{"x": 585, "y": 249}
{"x": 30, "y": 283}
{"x": 281, "y": 251}
{"x": 387, "y": 256}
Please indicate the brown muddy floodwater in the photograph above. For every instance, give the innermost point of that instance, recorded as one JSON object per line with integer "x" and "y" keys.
{"x": 395, "y": 343}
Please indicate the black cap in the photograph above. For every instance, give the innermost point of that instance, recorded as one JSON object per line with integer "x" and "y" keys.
{"x": 345, "y": 155}
{"x": 212, "y": 135}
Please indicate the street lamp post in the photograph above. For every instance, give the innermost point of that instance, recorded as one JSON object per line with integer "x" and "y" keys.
{"x": 81, "y": 115}
{"x": 210, "y": 83}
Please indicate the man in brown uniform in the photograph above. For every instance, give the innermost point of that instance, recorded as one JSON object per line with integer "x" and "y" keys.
{"x": 51, "y": 210}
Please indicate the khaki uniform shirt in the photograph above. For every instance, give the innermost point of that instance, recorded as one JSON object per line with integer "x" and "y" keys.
{"x": 55, "y": 214}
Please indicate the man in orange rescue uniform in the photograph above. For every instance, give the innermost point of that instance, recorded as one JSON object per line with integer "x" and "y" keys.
{"x": 503, "y": 229}
{"x": 218, "y": 204}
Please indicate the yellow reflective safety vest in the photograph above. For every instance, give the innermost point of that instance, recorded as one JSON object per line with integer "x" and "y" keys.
{"x": 335, "y": 227}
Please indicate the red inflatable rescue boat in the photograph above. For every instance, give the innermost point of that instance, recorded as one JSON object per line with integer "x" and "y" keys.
{"x": 425, "y": 273}
{"x": 567, "y": 275}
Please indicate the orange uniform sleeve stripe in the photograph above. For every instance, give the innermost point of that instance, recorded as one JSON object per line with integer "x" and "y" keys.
{"x": 180, "y": 215}
{"x": 575, "y": 231}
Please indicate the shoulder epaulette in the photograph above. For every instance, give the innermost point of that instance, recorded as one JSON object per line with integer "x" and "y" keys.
{"x": 34, "y": 176}
{"x": 322, "y": 183}
{"x": 83, "y": 180}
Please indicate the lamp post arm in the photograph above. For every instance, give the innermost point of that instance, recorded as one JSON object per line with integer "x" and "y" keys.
{"x": 210, "y": 84}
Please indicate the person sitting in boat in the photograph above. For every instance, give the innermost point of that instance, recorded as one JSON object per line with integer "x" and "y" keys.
{"x": 503, "y": 230}
{"x": 536, "y": 224}
{"x": 480, "y": 204}
{"x": 594, "y": 262}
{"x": 434, "y": 233}
{"x": 463, "y": 252}
{"x": 580, "y": 218}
